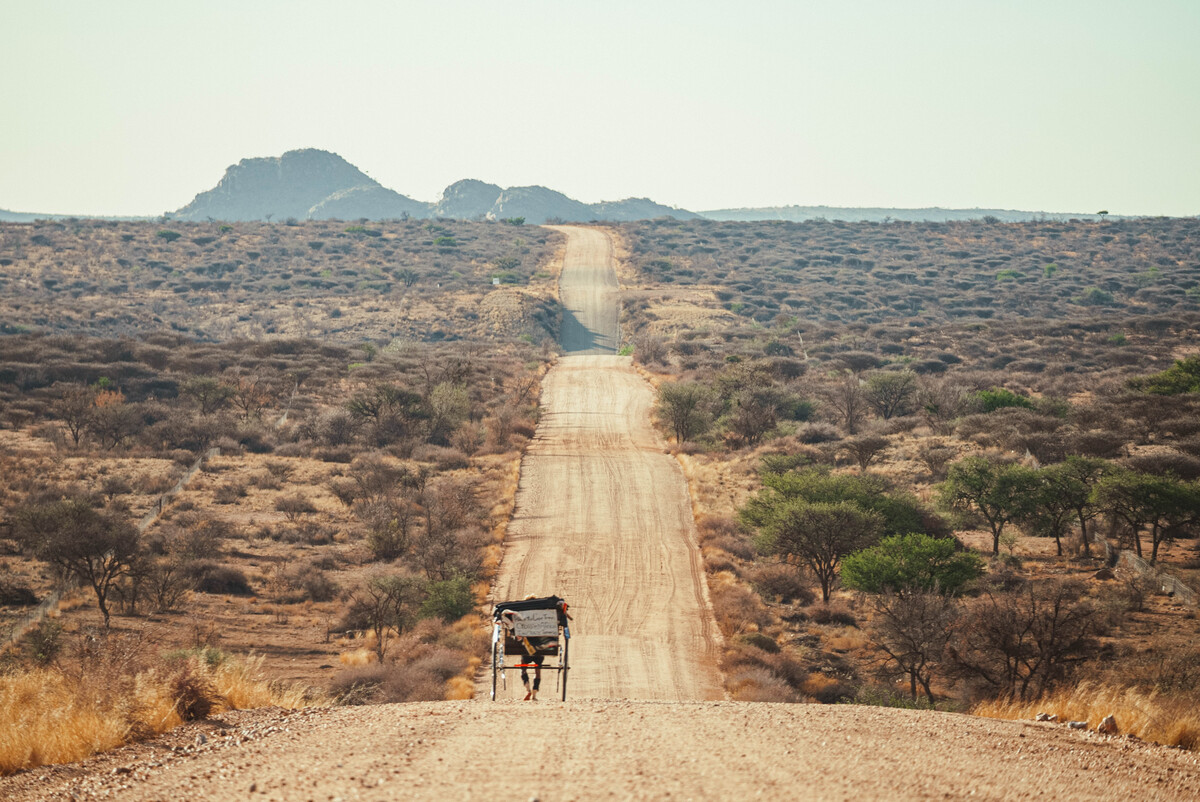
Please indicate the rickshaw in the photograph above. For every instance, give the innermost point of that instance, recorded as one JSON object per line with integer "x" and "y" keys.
{"x": 524, "y": 631}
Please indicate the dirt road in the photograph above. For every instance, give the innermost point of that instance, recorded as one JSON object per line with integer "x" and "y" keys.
{"x": 588, "y": 291}
{"x": 602, "y": 518}
{"x": 602, "y": 515}
{"x": 552, "y": 751}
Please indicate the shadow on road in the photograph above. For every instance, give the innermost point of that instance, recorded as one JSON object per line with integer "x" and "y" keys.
{"x": 577, "y": 338}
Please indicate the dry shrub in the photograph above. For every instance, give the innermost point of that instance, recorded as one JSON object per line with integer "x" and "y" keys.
{"x": 724, "y": 533}
{"x": 193, "y": 693}
{"x": 759, "y": 685}
{"x": 358, "y": 657}
{"x": 846, "y": 642}
{"x": 305, "y": 582}
{"x": 358, "y": 684}
{"x": 429, "y": 662}
{"x": 229, "y": 493}
{"x": 832, "y": 614}
{"x": 446, "y": 459}
{"x": 1148, "y": 714}
{"x": 424, "y": 675}
{"x": 718, "y": 560}
{"x": 736, "y": 607}
{"x": 754, "y": 674}
{"x": 210, "y": 577}
{"x": 826, "y": 688}
{"x": 814, "y": 433}
{"x": 14, "y": 592}
{"x": 781, "y": 582}
{"x": 265, "y": 480}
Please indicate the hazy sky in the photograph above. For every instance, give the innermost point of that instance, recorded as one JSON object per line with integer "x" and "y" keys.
{"x": 133, "y": 107}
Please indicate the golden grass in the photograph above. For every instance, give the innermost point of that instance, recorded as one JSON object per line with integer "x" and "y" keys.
{"x": 1149, "y": 715}
{"x": 358, "y": 657}
{"x": 817, "y": 683}
{"x": 49, "y": 716}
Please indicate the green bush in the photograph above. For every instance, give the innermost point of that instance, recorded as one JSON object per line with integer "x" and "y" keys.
{"x": 1094, "y": 296}
{"x": 449, "y": 599}
{"x": 911, "y": 562}
{"x": 999, "y": 398}
{"x": 1182, "y": 377}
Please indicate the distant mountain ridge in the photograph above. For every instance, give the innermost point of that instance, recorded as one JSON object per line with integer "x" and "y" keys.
{"x": 317, "y": 184}
{"x": 855, "y": 214}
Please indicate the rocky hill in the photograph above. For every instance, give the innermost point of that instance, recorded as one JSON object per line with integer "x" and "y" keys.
{"x": 637, "y": 209}
{"x": 471, "y": 200}
{"x": 317, "y": 184}
{"x": 468, "y": 199}
{"x": 373, "y": 202}
{"x": 539, "y": 205}
{"x": 301, "y": 184}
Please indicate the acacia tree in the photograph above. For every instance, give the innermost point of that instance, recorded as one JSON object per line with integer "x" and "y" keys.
{"x": 385, "y": 602}
{"x": 864, "y": 448}
{"x": 913, "y": 631}
{"x": 208, "y": 392}
{"x": 1053, "y": 513}
{"x": 912, "y": 563}
{"x": 846, "y": 399}
{"x": 753, "y": 413}
{"x": 75, "y": 407}
{"x": 91, "y": 545}
{"x": 112, "y": 419}
{"x": 817, "y": 536}
{"x": 1021, "y": 642}
{"x": 900, "y": 512}
{"x": 1075, "y": 479}
{"x": 687, "y": 407}
{"x": 890, "y": 393}
{"x": 997, "y": 493}
{"x": 251, "y": 394}
{"x": 393, "y": 412}
{"x": 449, "y": 543}
{"x": 1163, "y": 504}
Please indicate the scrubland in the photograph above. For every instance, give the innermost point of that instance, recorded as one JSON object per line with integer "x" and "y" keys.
{"x": 355, "y": 439}
{"x": 831, "y": 388}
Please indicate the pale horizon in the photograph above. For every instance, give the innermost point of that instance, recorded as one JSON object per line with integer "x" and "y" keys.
{"x": 131, "y": 108}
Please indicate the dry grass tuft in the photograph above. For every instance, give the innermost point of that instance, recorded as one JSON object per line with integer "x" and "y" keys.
{"x": 53, "y": 716}
{"x": 358, "y": 657}
{"x": 1149, "y": 715}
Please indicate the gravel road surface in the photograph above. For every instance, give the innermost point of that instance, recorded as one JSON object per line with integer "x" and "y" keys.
{"x": 587, "y": 750}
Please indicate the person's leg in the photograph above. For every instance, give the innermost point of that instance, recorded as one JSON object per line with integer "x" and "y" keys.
{"x": 537, "y": 676}
{"x": 525, "y": 682}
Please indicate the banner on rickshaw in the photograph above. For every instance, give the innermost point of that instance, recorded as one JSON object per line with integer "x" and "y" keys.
{"x": 536, "y": 624}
